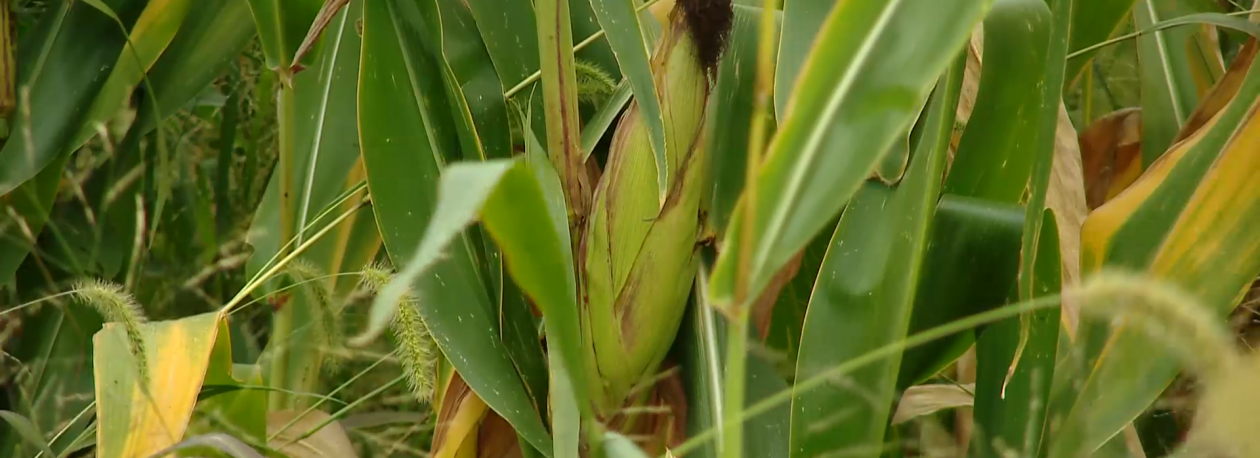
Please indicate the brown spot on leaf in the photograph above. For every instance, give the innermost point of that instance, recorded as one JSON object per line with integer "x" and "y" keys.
{"x": 1110, "y": 148}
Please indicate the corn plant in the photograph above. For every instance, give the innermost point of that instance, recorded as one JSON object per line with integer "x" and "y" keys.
{"x": 625, "y": 228}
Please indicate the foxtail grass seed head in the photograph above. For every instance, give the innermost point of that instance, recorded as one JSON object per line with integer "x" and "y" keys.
{"x": 416, "y": 348}
{"x": 311, "y": 279}
{"x": 1165, "y": 313}
{"x": 117, "y": 306}
{"x": 594, "y": 84}
{"x": 639, "y": 247}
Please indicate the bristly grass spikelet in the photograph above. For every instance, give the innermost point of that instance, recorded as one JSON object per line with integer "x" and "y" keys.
{"x": 594, "y": 84}
{"x": 1164, "y": 312}
{"x": 117, "y": 306}
{"x": 416, "y": 348}
{"x": 310, "y": 279}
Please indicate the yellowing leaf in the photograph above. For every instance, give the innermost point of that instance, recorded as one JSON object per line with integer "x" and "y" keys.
{"x": 138, "y": 418}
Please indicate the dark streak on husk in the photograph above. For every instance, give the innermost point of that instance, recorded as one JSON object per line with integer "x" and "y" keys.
{"x": 710, "y": 24}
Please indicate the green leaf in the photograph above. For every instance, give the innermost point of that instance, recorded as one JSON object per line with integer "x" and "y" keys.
{"x": 997, "y": 150}
{"x": 324, "y": 157}
{"x": 472, "y": 71}
{"x": 566, "y": 420}
{"x": 802, "y": 22}
{"x": 698, "y": 350}
{"x": 597, "y": 126}
{"x": 1010, "y": 402}
{"x": 730, "y": 112}
{"x": 51, "y": 110}
{"x": 402, "y": 124}
{"x": 508, "y": 198}
{"x": 27, "y": 430}
{"x": 31, "y": 203}
{"x": 510, "y": 33}
{"x": 212, "y": 36}
{"x": 970, "y": 267}
{"x": 1166, "y": 59}
{"x": 844, "y": 115}
{"x": 149, "y": 37}
{"x": 282, "y": 25}
{"x": 866, "y": 291}
{"x": 1092, "y": 22}
{"x": 626, "y": 35}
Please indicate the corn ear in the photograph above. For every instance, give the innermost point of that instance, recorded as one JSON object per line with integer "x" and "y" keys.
{"x": 639, "y": 255}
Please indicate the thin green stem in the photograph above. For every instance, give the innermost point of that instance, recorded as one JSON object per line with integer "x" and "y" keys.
{"x": 37, "y": 301}
{"x": 62, "y": 431}
{"x": 335, "y": 391}
{"x": 262, "y": 278}
{"x": 340, "y": 412}
{"x": 1154, "y": 28}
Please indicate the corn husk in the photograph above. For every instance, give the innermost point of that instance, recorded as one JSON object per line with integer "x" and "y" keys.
{"x": 639, "y": 256}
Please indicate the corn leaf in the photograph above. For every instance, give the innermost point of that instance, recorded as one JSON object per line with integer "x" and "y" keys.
{"x": 148, "y": 38}
{"x": 137, "y": 416}
{"x": 730, "y": 113}
{"x": 405, "y": 134}
{"x": 470, "y": 69}
{"x": 57, "y": 106}
{"x": 593, "y": 131}
{"x": 212, "y": 35}
{"x": 970, "y": 267}
{"x": 866, "y": 291}
{"x": 480, "y": 119}
{"x": 802, "y": 22}
{"x": 698, "y": 343}
{"x": 282, "y": 26}
{"x": 1182, "y": 221}
{"x": 1168, "y": 87}
{"x": 997, "y": 150}
{"x": 1015, "y": 363}
{"x": 626, "y": 36}
{"x": 325, "y": 157}
{"x": 843, "y": 116}
{"x": 508, "y": 198}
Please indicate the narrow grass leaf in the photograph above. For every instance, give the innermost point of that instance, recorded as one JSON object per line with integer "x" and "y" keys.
{"x": 27, "y": 430}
